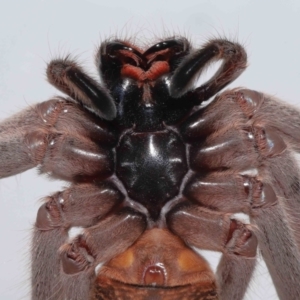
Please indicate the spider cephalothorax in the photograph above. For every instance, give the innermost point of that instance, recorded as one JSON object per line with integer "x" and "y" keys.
{"x": 150, "y": 156}
{"x": 155, "y": 173}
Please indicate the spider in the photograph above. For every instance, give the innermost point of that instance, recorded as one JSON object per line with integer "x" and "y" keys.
{"x": 154, "y": 173}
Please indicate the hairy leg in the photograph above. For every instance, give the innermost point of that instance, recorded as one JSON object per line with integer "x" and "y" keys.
{"x": 62, "y": 270}
{"x": 246, "y": 166}
{"x": 44, "y": 134}
{"x": 206, "y": 229}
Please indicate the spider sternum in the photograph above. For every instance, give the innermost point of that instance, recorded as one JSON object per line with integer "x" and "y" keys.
{"x": 151, "y": 165}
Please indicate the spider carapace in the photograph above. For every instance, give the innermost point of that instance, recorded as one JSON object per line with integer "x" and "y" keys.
{"x": 155, "y": 174}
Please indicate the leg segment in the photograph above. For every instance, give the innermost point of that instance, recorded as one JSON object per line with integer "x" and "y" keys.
{"x": 205, "y": 229}
{"x": 59, "y": 136}
{"x": 278, "y": 233}
{"x": 230, "y": 192}
{"x": 242, "y": 268}
{"x": 45, "y": 269}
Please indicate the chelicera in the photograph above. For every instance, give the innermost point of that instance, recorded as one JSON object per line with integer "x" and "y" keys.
{"x": 155, "y": 173}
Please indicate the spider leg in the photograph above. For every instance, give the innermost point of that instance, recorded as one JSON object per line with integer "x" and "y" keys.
{"x": 252, "y": 170}
{"x": 80, "y": 205}
{"x": 210, "y": 230}
{"x": 98, "y": 244}
{"x": 63, "y": 139}
{"x": 234, "y": 62}
{"x": 60, "y": 137}
{"x": 55, "y": 217}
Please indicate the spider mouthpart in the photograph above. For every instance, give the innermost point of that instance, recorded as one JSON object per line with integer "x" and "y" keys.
{"x": 69, "y": 78}
{"x": 138, "y": 82}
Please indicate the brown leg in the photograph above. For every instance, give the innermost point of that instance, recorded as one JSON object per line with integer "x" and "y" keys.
{"x": 253, "y": 172}
{"x": 278, "y": 233}
{"x": 234, "y": 274}
{"x": 45, "y": 269}
{"x": 45, "y": 133}
{"x": 99, "y": 243}
{"x": 80, "y": 205}
{"x": 205, "y": 229}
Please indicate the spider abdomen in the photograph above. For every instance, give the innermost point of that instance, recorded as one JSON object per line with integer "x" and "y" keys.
{"x": 151, "y": 165}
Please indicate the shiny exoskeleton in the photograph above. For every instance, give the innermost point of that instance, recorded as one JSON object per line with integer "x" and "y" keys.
{"x": 155, "y": 173}
{"x": 151, "y": 155}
